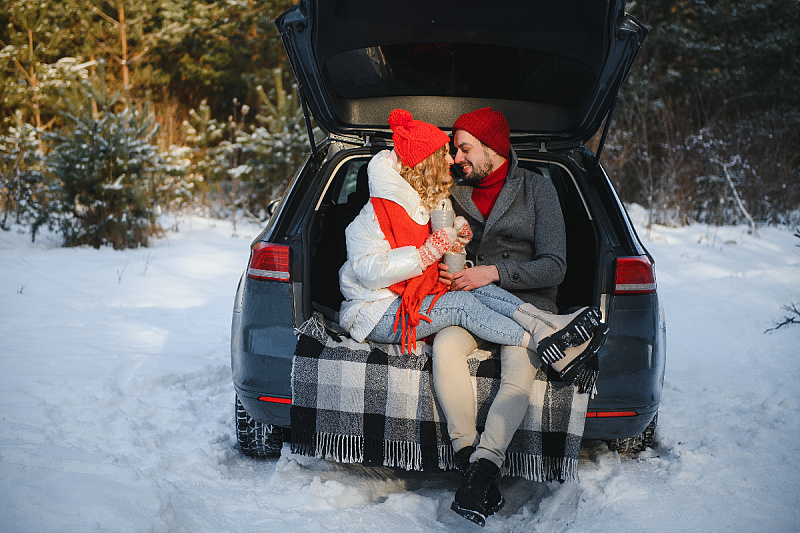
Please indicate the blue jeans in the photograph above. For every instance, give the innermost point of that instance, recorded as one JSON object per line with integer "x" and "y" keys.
{"x": 485, "y": 312}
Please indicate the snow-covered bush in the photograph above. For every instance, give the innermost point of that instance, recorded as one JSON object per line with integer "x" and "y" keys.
{"x": 24, "y": 188}
{"x": 275, "y": 148}
{"x": 726, "y": 172}
{"x": 244, "y": 164}
{"x": 202, "y": 134}
{"x": 176, "y": 184}
{"x": 104, "y": 165}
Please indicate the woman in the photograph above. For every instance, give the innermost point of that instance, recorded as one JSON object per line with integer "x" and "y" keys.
{"x": 391, "y": 280}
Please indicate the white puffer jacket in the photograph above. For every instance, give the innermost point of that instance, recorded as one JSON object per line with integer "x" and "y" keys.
{"x": 372, "y": 265}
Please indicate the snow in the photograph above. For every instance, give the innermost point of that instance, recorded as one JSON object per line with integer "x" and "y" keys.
{"x": 116, "y": 403}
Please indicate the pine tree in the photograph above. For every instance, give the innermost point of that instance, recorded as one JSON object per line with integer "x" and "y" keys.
{"x": 276, "y": 147}
{"x": 221, "y": 51}
{"x": 105, "y": 167}
{"x": 722, "y": 57}
{"x": 176, "y": 185}
{"x": 714, "y": 80}
{"x": 203, "y": 133}
{"x": 23, "y": 187}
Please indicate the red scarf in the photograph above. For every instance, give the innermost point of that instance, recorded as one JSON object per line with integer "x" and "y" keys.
{"x": 485, "y": 195}
{"x": 401, "y": 230}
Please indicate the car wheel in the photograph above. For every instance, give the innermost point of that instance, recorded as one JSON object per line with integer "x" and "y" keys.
{"x": 257, "y": 439}
{"x": 638, "y": 443}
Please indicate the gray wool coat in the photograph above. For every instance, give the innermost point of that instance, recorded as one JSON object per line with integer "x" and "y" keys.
{"x": 524, "y": 235}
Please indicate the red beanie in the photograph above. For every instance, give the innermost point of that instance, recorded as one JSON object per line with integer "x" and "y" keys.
{"x": 414, "y": 140}
{"x": 489, "y": 127}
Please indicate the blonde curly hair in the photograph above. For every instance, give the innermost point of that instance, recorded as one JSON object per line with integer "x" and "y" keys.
{"x": 425, "y": 178}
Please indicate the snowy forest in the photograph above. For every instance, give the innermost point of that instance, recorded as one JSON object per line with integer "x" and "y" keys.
{"x": 114, "y": 112}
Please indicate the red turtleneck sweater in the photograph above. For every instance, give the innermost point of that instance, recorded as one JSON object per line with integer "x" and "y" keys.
{"x": 485, "y": 195}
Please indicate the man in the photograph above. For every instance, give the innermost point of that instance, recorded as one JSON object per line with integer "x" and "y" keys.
{"x": 519, "y": 243}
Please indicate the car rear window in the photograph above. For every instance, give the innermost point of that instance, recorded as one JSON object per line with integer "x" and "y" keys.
{"x": 459, "y": 70}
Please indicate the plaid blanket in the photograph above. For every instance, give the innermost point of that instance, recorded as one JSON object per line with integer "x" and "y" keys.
{"x": 368, "y": 403}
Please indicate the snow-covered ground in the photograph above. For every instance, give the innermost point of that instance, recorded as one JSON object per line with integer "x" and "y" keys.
{"x": 116, "y": 404}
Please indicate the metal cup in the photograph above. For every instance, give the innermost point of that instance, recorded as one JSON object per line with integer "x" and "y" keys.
{"x": 455, "y": 261}
{"x": 442, "y": 218}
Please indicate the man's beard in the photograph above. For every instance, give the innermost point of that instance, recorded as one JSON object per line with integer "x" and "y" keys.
{"x": 479, "y": 173}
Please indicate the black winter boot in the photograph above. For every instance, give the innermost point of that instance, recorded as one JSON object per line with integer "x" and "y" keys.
{"x": 494, "y": 499}
{"x": 461, "y": 459}
{"x": 471, "y": 497}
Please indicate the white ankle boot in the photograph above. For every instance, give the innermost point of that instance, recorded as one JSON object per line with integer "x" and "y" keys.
{"x": 558, "y": 337}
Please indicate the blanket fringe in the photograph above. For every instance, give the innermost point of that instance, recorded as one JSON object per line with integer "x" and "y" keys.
{"x": 300, "y": 444}
{"x": 408, "y": 456}
{"x": 538, "y": 468}
{"x": 447, "y": 457}
{"x": 340, "y": 448}
{"x": 312, "y": 328}
{"x": 402, "y": 454}
{"x": 350, "y": 449}
{"x": 586, "y": 382}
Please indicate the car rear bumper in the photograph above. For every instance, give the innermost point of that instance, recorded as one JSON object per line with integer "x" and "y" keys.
{"x": 603, "y": 425}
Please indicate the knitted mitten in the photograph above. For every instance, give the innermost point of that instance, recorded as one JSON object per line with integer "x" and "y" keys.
{"x": 463, "y": 234}
{"x": 463, "y": 231}
{"x": 435, "y": 246}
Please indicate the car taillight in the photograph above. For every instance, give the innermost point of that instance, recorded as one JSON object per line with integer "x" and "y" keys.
{"x": 610, "y": 414}
{"x": 635, "y": 275}
{"x": 269, "y": 262}
{"x": 275, "y": 399}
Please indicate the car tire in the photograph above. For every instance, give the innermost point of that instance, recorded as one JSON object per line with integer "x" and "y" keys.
{"x": 256, "y": 439}
{"x": 638, "y": 443}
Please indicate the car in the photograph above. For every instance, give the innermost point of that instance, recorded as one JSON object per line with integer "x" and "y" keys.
{"x": 554, "y": 69}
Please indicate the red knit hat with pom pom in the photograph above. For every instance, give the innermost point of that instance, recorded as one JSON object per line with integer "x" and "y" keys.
{"x": 414, "y": 140}
{"x": 489, "y": 127}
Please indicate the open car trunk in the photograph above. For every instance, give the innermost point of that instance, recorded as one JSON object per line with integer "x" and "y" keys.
{"x": 346, "y": 193}
{"x": 556, "y": 66}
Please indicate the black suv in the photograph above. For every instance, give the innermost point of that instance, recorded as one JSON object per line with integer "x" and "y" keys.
{"x": 554, "y": 69}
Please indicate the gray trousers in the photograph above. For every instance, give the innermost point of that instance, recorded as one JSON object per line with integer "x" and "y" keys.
{"x": 453, "y": 386}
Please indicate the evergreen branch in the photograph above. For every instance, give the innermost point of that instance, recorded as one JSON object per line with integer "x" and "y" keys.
{"x": 97, "y": 11}
{"x": 139, "y": 55}
{"x": 105, "y": 47}
{"x": 19, "y": 65}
